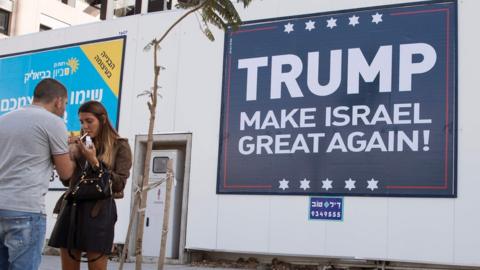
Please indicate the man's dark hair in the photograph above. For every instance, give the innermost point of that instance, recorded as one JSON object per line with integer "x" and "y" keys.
{"x": 49, "y": 89}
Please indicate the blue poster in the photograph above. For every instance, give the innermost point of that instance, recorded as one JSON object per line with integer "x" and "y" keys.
{"x": 89, "y": 71}
{"x": 351, "y": 103}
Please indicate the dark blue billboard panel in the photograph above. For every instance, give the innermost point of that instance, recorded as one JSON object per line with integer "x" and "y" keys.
{"x": 352, "y": 103}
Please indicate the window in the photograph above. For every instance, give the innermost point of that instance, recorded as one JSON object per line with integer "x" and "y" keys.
{"x": 44, "y": 28}
{"x": 4, "y": 21}
{"x": 159, "y": 164}
{"x": 69, "y": 2}
{"x": 124, "y": 11}
{"x": 158, "y": 5}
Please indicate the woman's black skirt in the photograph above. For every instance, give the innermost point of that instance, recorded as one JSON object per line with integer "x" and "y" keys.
{"x": 77, "y": 229}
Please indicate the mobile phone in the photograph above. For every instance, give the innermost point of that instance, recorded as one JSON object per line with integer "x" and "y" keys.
{"x": 88, "y": 141}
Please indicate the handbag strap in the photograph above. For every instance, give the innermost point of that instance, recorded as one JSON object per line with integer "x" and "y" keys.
{"x": 71, "y": 236}
{"x": 80, "y": 260}
{"x": 72, "y": 221}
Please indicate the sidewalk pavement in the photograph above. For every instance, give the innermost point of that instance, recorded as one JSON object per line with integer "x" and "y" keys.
{"x": 53, "y": 263}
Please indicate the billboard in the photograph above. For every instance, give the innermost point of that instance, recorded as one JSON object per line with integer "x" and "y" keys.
{"x": 351, "y": 103}
{"x": 90, "y": 71}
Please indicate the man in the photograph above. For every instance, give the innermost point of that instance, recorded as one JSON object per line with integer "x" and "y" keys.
{"x": 32, "y": 140}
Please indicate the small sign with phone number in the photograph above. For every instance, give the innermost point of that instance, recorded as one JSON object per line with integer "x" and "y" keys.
{"x": 326, "y": 208}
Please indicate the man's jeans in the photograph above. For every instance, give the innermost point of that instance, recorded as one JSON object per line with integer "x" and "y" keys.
{"x": 22, "y": 236}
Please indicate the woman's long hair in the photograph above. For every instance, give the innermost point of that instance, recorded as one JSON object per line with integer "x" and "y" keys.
{"x": 106, "y": 137}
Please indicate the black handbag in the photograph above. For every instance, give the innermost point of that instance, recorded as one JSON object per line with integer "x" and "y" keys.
{"x": 93, "y": 185}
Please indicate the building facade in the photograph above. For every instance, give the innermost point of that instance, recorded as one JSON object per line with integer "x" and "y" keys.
{"x": 20, "y": 17}
{"x": 198, "y": 96}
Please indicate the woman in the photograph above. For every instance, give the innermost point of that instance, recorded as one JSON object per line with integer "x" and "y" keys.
{"x": 92, "y": 229}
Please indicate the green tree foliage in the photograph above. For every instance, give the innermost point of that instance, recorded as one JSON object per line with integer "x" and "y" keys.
{"x": 220, "y": 13}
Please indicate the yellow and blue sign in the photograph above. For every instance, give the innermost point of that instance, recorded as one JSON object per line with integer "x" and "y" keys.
{"x": 348, "y": 103}
{"x": 90, "y": 71}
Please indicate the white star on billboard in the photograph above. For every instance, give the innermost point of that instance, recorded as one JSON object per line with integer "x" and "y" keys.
{"x": 283, "y": 184}
{"x": 372, "y": 184}
{"x": 353, "y": 20}
{"x": 331, "y": 23}
{"x": 288, "y": 28}
{"x": 305, "y": 184}
{"x": 327, "y": 184}
{"x": 377, "y": 18}
{"x": 350, "y": 184}
{"x": 310, "y": 25}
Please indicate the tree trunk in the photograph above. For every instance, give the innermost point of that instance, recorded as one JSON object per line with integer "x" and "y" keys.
{"x": 166, "y": 215}
{"x": 152, "y": 105}
{"x": 133, "y": 216}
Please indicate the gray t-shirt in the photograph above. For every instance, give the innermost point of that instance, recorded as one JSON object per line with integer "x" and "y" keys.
{"x": 28, "y": 138}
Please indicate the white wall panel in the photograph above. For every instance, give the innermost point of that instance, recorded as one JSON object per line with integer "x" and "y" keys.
{"x": 467, "y": 222}
{"x": 290, "y": 232}
{"x": 243, "y": 218}
{"x": 287, "y": 8}
{"x": 197, "y": 111}
{"x": 259, "y": 10}
{"x": 364, "y": 224}
{"x": 420, "y": 229}
{"x": 152, "y": 27}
